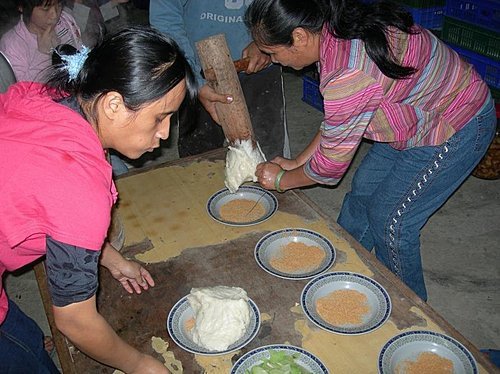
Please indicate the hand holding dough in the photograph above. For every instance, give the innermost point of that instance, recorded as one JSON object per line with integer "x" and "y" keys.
{"x": 241, "y": 161}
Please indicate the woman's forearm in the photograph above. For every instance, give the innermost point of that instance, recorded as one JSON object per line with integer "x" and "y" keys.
{"x": 89, "y": 331}
{"x": 294, "y": 179}
{"x": 110, "y": 257}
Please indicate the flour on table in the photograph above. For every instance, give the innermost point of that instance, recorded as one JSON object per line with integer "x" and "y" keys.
{"x": 221, "y": 314}
{"x": 241, "y": 161}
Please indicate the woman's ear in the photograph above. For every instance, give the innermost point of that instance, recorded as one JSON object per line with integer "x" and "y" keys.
{"x": 113, "y": 107}
{"x": 300, "y": 37}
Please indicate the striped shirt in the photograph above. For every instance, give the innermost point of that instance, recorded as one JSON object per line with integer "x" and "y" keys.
{"x": 360, "y": 102}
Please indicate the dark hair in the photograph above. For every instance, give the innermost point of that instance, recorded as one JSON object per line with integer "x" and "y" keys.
{"x": 26, "y": 6}
{"x": 140, "y": 63}
{"x": 272, "y": 22}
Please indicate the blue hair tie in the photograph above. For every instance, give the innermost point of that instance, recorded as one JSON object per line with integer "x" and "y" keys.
{"x": 74, "y": 63}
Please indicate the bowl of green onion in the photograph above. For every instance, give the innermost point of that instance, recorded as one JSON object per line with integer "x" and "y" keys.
{"x": 279, "y": 359}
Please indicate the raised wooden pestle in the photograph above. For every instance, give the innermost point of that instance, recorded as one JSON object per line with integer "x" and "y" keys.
{"x": 220, "y": 73}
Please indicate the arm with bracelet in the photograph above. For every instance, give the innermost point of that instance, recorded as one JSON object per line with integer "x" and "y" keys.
{"x": 271, "y": 175}
{"x": 277, "y": 181}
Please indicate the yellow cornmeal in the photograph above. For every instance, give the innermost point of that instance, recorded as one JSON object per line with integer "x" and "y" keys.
{"x": 426, "y": 362}
{"x": 297, "y": 257}
{"x": 343, "y": 307}
{"x": 242, "y": 210}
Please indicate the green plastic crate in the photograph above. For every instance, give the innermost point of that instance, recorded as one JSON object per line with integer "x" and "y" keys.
{"x": 467, "y": 35}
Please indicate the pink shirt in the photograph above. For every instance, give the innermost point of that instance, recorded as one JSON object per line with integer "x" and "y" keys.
{"x": 54, "y": 179}
{"x": 424, "y": 109}
{"x": 21, "y": 48}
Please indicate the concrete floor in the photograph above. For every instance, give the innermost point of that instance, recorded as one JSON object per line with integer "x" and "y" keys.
{"x": 460, "y": 243}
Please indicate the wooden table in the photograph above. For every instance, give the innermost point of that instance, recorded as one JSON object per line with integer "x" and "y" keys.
{"x": 163, "y": 210}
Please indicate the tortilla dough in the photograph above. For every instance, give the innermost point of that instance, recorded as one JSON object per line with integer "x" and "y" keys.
{"x": 221, "y": 314}
{"x": 241, "y": 161}
{"x": 161, "y": 346}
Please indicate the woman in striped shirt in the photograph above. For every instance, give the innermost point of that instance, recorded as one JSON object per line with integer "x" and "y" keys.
{"x": 428, "y": 113}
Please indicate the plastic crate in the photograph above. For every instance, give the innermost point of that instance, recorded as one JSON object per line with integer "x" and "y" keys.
{"x": 421, "y": 3}
{"x": 487, "y": 68}
{"x": 469, "y": 36}
{"x": 483, "y": 13}
{"x": 430, "y": 18}
{"x": 310, "y": 92}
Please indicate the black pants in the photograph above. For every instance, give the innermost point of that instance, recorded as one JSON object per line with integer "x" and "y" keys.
{"x": 264, "y": 97}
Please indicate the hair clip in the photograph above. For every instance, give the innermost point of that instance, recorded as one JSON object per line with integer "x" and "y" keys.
{"x": 74, "y": 63}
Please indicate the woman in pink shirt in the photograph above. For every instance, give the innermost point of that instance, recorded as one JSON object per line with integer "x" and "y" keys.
{"x": 429, "y": 114}
{"x": 42, "y": 27}
{"x": 56, "y": 190}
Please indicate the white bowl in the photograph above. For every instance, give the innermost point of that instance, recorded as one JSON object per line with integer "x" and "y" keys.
{"x": 254, "y": 193}
{"x": 378, "y": 301}
{"x": 270, "y": 245}
{"x": 409, "y": 345}
{"x": 182, "y": 312}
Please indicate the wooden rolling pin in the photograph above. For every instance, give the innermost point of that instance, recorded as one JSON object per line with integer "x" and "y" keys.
{"x": 221, "y": 75}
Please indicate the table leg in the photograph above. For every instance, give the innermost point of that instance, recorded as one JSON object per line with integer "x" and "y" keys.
{"x": 60, "y": 341}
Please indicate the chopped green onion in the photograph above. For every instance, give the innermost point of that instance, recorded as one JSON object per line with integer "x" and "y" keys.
{"x": 279, "y": 362}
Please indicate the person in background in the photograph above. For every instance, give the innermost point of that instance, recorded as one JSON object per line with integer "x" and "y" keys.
{"x": 57, "y": 190}
{"x": 97, "y": 17}
{"x": 192, "y": 20}
{"x": 383, "y": 78}
{"x": 28, "y": 46}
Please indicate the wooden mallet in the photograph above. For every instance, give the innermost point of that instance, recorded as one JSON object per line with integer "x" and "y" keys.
{"x": 221, "y": 74}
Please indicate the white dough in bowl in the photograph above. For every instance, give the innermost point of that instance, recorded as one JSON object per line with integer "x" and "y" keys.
{"x": 241, "y": 161}
{"x": 221, "y": 314}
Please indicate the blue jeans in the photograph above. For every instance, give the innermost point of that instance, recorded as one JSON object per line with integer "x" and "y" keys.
{"x": 394, "y": 193}
{"x": 21, "y": 345}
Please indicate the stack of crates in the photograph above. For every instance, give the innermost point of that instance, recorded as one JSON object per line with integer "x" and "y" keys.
{"x": 426, "y": 13}
{"x": 472, "y": 28}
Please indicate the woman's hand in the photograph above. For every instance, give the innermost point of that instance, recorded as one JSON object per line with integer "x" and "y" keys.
{"x": 47, "y": 39}
{"x": 258, "y": 59}
{"x": 295, "y": 177}
{"x": 285, "y": 163}
{"x": 130, "y": 274}
{"x": 208, "y": 97}
{"x": 266, "y": 173}
{"x": 149, "y": 365}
